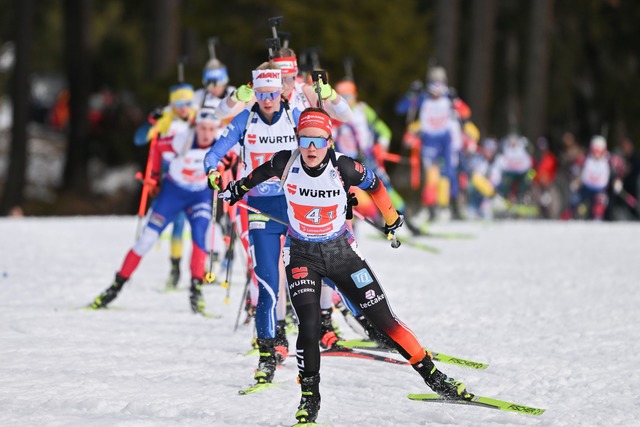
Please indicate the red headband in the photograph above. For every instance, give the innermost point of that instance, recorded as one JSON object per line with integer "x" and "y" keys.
{"x": 288, "y": 64}
{"x": 314, "y": 119}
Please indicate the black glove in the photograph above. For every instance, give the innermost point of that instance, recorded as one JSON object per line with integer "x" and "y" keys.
{"x": 234, "y": 192}
{"x": 394, "y": 227}
{"x": 351, "y": 202}
{"x": 156, "y": 113}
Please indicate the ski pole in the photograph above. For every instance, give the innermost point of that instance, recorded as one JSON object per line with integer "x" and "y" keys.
{"x": 230, "y": 258}
{"x": 243, "y": 300}
{"x": 257, "y": 211}
{"x": 210, "y": 276}
{"x": 147, "y": 183}
{"x": 395, "y": 243}
{"x": 624, "y": 194}
{"x": 316, "y": 76}
{"x": 629, "y": 199}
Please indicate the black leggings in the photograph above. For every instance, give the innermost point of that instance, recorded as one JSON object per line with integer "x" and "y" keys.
{"x": 339, "y": 261}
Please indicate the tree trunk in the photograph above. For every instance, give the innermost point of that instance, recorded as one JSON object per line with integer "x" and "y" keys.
{"x": 537, "y": 70}
{"x": 164, "y": 46}
{"x": 479, "y": 74}
{"x": 16, "y": 175}
{"x": 78, "y": 62}
{"x": 447, "y": 22}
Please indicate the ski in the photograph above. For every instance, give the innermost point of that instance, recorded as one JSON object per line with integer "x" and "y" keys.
{"x": 424, "y": 231}
{"x": 452, "y": 360}
{"x": 439, "y": 357}
{"x": 485, "y": 402}
{"x": 170, "y": 290}
{"x": 305, "y": 424}
{"x": 353, "y": 352}
{"x": 409, "y": 242}
{"x": 250, "y": 352}
{"x": 89, "y": 308}
{"x": 210, "y": 315}
{"x": 256, "y": 388}
{"x": 206, "y": 314}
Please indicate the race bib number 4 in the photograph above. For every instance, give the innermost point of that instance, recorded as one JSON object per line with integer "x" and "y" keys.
{"x": 314, "y": 219}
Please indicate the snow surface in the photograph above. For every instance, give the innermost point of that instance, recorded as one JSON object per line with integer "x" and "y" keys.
{"x": 552, "y": 306}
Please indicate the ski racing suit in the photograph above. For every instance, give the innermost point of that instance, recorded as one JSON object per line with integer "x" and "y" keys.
{"x": 323, "y": 247}
{"x": 260, "y": 140}
{"x": 184, "y": 189}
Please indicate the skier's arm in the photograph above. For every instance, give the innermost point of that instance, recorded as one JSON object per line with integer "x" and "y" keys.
{"x": 274, "y": 167}
{"x": 337, "y": 107}
{"x": 356, "y": 174}
{"x": 242, "y": 96}
{"x": 230, "y": 137}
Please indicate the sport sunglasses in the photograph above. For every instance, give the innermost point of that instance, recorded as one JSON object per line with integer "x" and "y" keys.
{"x": 180, "y": 104}
{"x": 263, "y": 96}
{"x": 318, "y": 141}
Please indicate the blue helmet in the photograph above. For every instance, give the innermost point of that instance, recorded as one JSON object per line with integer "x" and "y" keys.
{"x": 215, "y": 73}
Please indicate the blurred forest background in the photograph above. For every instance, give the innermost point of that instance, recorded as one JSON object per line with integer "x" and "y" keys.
{"x": 77, "y": 77}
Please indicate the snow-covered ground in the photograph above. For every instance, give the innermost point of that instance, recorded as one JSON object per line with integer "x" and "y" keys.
{"x": 552, "y": 307}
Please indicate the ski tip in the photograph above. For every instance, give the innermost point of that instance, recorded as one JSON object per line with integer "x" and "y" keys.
{"x": 256, "y": 388}
{"x": 483, "y": 401}
{"x": 212, "y": 315}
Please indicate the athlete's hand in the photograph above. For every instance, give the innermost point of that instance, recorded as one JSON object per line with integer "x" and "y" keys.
{"x": 234, "y": 192}
{"x": 155, "y": 114}
{"x": 229, "y": 160}
{"x": 378, "y": 152}
{"x": 213, "y": 179}
{"x": 391, "y": 229}
{"x": 243, "y": 94}
{"x": 327, "y": 93}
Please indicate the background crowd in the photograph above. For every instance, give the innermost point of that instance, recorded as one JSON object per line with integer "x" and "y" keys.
{"x": 77, "y": 78}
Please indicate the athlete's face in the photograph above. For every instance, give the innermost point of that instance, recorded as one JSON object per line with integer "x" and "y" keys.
{"x": 268, "y": 99}
{"x": 313, "y": 156}
{"x": 288, "y": 81}
{"x": 205, "y": 132}
{"x": 217, "y": 90}
{"x": 183, "y": 110}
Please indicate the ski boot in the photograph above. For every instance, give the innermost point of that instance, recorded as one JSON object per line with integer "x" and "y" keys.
{"x": 310, "y": 400}
{"x": 174, "y": 274}
{"x": 195, "y": 297}
{"x": 328, "y": 336}
{"x": 281, "y": 343}
{"x": 439, "y": 382}
{"x": 267, "y": 362}
{"x": 102, "y": 300}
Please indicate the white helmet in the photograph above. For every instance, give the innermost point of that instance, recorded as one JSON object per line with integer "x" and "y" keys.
{"x": 598, "y": 144}
{"x": 438, "y": 74}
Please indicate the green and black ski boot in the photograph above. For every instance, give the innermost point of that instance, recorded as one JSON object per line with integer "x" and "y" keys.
{"x": 267, "y": 362}
{"x": 174, "y": 274}
{"x": 439, "y": 382}
{"x": 195, "y": 297}
{"x": 102, "y": 300}
{"x": 310, "y": 400}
